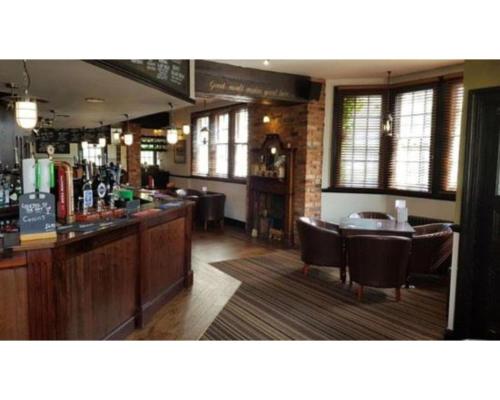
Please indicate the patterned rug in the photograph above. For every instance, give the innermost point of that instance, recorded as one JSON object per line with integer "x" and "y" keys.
{"x": 276, "y": 302}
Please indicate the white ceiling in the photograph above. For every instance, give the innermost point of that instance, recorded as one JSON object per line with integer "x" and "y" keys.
{"x": 345, "y": 69}
{"x": 66, "y": 84}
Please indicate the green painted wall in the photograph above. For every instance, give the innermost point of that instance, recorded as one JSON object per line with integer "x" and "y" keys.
{"x": 477, "y": 74}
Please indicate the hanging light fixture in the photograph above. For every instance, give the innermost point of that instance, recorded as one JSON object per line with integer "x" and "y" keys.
{"x": 186, "y": 129}
{"x": 102, "y": 137}
{"x": 172, "y": 136}
{"x": 26, "y": 107}
{"x": 128, "y": 137}
{"x": 388, "y": 119}
{"x": 85, "y": 143}
{"x": 204, "y": 135}
{"x": 116, "y": 135}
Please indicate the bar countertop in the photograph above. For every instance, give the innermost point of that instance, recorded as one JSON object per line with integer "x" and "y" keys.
{"x": 66, "y": 234}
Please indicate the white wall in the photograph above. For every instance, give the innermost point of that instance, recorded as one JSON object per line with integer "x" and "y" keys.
{"x": 335, "y": 206}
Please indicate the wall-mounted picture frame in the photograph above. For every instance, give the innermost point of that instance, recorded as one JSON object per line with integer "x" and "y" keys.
{"x": 180, "y": 152}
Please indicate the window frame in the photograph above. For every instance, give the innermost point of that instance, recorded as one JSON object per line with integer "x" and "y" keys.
{"x": 436, "y": 167}
{"x": 212, "y": 114}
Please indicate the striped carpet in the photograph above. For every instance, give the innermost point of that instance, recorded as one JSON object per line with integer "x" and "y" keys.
{"x": 276, "y": 302}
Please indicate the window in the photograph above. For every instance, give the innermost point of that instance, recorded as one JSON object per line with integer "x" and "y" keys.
{"x": 411, "y": 144}
{"x": 220, "y": 143}
{"x": 241, "y": 144}
{"x": 200, "y": 146}
{"x": 453, "y": 103}
{"x": 360, "y": 141}
{"x": 93, "y": 153}
{"x": 148, "y": 158}
{"x": 419, "y": 156}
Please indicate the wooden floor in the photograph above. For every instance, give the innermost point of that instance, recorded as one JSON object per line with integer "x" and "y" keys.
{"x": 192, "y": 311}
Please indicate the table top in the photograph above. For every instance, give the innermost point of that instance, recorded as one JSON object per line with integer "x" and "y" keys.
{"x": 376, "y": 225}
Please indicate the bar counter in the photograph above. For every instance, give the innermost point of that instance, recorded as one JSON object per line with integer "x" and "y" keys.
{"x": 99, "y": 284}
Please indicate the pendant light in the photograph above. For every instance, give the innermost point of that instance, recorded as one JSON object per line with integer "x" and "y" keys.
{"x": 102, "y": 137}
{"x": 26, "y": 107}
{"x": 128, "y": 137}
{"x": 85, "y": 143}
{"x": 172, "y": 136}
{"x": 388, "y": 120}
{"x": 186, "y": 129}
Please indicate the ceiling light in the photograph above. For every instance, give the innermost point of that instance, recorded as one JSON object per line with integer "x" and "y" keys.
{"x": 128, "y": 139}
{"x": 388, "y": 120}
{"x": 115, "y": 135}
{"x": 26, "y": 108}
{"x": 94, "y": 100}
{"x": 266, "y": 63}
{"x": 26, "y": 113}
{"x": 186, "y": 129}
{"x": 102, "y": 136}
{"x": 266, "y": 119}
{"x": 172, "y": 136}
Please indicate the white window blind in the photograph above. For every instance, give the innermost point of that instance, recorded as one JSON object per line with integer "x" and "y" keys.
{"x": 360, "y": 131}
{"x": 454, "y": 102}
{"x": 241, "y": 144}
{"x": 411, "y": 148}
{"x": 200, "y": 146}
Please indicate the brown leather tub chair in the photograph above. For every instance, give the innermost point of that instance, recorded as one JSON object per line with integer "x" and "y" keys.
{"x": 378, "y": 261}
{"x": 431, "y": 249}
{"x": 371, "y": 215}
{"x": 320, "y": 245}
{"x": 210, "y": 207}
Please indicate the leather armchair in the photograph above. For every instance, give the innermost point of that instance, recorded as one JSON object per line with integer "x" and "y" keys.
{"x": 210, "y": 207}
{"x": 378, "y": 261}
{"x": 371, "y": 215}
{"x": 321, "y": 245}
{"x": 431, "y": 249}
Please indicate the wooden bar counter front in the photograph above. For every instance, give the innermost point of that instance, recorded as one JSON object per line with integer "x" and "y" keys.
{"x": 96, "y": 285}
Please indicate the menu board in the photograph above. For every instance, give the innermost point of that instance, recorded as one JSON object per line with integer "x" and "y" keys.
{"x": 170, "y": 76}
{"x": 61, "y": 138}
{"x": 37, "y": 213}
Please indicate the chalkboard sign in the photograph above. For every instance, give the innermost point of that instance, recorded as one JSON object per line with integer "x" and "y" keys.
{"x": 59, "y": 148}
{"x": 61, "y": 138}
{"x": 37, "y": 213}
{"x": 170, "y": 76}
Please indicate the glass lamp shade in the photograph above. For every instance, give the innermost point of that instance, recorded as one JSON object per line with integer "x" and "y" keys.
{"x": 172, "y": 137}
{"x": 102, "y": 142}
{"x": 266, "y": 119}
{"x": 128, "y": 139}
{"x": 186, "y": 129}
{"x": 85, "y": 144}
{"x": 26, "y": 113}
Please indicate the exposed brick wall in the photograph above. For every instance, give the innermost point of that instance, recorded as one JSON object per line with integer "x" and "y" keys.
{"x": 302, "y": 126}
{"x": 134, "y": 156}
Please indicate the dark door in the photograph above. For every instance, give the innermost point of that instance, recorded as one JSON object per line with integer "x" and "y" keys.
{"x": 478, "y": 290}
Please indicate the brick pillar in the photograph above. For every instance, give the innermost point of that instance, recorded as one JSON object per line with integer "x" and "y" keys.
{"x": 314, "y": 156}
{"x": 302, "y": 126}
{"x": 134, "y": 155}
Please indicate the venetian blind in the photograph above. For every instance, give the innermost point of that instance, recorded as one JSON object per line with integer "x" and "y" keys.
{"x": 410, "y": 161}
{"x": 453, "y": 101}
{"x": 359, "y": 132}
